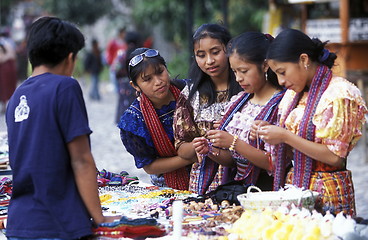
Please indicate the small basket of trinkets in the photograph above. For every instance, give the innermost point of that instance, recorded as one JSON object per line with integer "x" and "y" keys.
{"x": 289, "y": 197}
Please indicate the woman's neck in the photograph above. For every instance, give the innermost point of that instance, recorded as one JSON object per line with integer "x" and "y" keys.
{"x": 264, "y": 94}
{"x": 221, "y": 82}
{"x": 223, "y": 86}
{"x": 312, "y": 69}
{"x": 165, "y": 101}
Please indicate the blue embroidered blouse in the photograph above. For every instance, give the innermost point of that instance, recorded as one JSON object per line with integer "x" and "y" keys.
{"x": 137, "y": 140}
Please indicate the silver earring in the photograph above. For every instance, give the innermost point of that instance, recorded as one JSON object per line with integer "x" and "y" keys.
{"x": 266, "y": 75}
{"x": 306, "y": 66}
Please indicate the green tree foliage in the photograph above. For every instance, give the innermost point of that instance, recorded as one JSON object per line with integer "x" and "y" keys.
{"x": 171, "y": 14}
{"x": 243, "y": 15}
{"x": 246, "y": 15}
{"x": 82, "y": 12}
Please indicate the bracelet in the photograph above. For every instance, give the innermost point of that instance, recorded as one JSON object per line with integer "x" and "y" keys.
{"x": 232, "y": 146}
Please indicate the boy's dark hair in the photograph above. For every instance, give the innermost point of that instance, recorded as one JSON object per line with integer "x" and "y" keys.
{"x": 50, "y": 40}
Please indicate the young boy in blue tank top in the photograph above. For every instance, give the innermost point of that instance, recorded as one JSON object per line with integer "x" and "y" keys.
{"x": 55, "y": 193}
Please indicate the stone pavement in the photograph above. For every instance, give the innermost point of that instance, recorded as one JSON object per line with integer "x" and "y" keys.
{"x": 107, "y": 148}
{"x": 110, "y": 154}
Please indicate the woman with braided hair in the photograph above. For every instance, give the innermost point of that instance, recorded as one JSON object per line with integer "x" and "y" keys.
{"x": 146, "y": 127}
{"x": 229, "y": 145}
{"x": 321, "y": 117}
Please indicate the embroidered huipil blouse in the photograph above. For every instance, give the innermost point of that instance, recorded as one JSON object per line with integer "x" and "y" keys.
{"x": 137, "y": 139}
{"x": 339, "y": 118}
{"x": 204, "y": 116}
{"x": 240, "y": 125}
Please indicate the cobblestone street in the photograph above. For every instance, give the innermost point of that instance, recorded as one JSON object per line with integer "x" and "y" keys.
{"x": 107, "y": 148}
{"x": 110, "y": 154}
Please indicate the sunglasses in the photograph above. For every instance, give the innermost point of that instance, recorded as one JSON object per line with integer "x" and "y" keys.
{"x": 139, "y": 58}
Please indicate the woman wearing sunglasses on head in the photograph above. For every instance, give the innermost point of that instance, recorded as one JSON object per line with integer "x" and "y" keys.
{"x": 202, "y": 103}
{"x": 146, "y": 126}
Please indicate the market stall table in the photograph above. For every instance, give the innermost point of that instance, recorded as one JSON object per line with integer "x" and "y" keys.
{"x": 203, "y": 218}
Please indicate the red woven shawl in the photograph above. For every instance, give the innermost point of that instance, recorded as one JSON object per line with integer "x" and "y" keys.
{"x": 177, "y": 179}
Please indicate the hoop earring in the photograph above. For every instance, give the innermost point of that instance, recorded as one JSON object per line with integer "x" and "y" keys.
{"x": 306, "y": 66}
{"x": 137, "y": 93}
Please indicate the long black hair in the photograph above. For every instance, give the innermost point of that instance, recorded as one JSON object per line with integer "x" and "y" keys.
{"x": 201, "y": 81}
{"x": 252, "y": 47}
{"x": 291, "y": 43}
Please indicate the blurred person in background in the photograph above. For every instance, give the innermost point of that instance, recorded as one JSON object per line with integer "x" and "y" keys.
{"x": 22, "y": 60}
{"x": 115, "y": 46}
{"x": 126, "y": 91}
{"x": 93, "y": 65}
{"x": 8, "y": 68}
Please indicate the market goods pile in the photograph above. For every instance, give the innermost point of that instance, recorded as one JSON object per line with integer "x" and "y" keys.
{"x": 200, "y": 216}
{"x": 203, "y": 219}
{"x": 295, "y": 224}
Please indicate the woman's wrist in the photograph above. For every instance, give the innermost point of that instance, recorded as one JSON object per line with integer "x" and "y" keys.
{"x": 186, "y": 150}
{"x": 215, "y": 151}
{"x": 285, "y": 136}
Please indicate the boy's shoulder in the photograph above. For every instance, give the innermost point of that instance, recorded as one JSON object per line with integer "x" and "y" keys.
{"x": 54, "y": 78}
{"x": 49, "y": 83}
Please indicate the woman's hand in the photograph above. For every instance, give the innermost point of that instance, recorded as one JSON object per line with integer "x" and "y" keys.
{"x": 221, "y": 139}
{"x": 200, "y": 145}
{"x": 272, "y": 134}
{"x": 257, "y": 124}
{"x": 216, "y": 124}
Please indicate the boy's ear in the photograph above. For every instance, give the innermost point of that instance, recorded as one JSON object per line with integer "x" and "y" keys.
{"x": 70, "y": 57}
{"x": 69, "y": 64}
